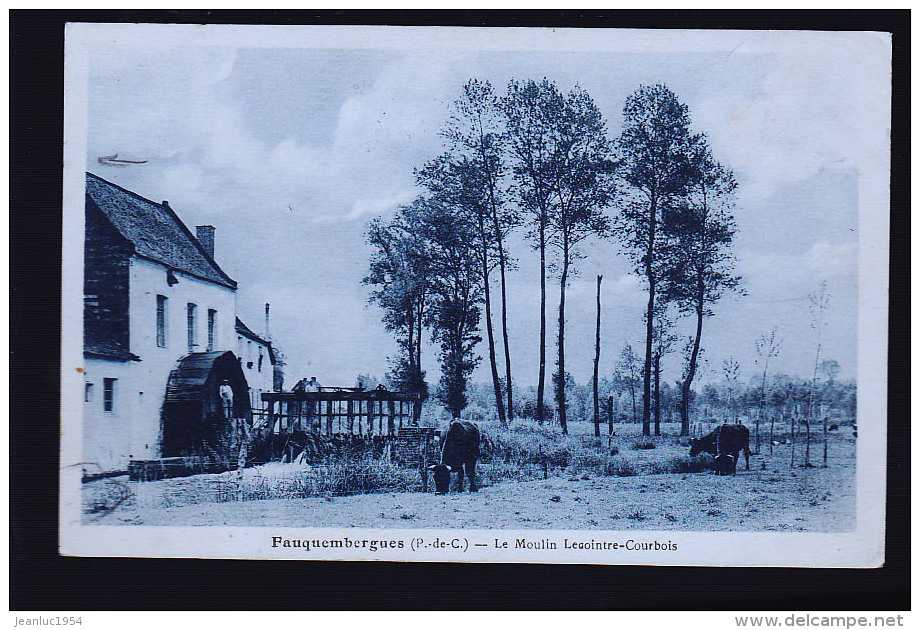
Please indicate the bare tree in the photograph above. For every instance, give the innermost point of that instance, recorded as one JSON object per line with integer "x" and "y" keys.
{"x": 768, "y": 346}
{"x": 831, "y": 369}
{"x": 818, "y": 303}
{"x": 731, "y": 370}
{"x": 627, "y": 373}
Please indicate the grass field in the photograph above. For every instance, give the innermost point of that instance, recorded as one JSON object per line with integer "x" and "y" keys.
{"x": 531, "y": 476}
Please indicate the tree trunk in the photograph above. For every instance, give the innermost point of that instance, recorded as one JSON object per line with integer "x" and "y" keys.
{"x": 542, "y": 378}
{"x": 632, "y": 393}
{"x": 507, "y": 348}
{"x": 597, "y": 360}
{"x": 649, "y": 319}
{"x": 691, "y": 372}
{"x": 647, "y": 372}
{"x": 496, "y": 382}
{"x": 560, "y": 385}
{"x": 658, "y": 392}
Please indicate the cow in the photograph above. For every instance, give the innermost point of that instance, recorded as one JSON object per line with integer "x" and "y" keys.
{"x": 725, "y": 464}
{"x": 459, "y": 453}
{"x": 728, "y": 439}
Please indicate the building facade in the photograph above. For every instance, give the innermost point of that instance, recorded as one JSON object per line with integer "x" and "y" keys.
{"x": 154, "y": 296}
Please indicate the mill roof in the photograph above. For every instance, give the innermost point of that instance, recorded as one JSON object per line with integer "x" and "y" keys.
{"x": 155, "y": 231}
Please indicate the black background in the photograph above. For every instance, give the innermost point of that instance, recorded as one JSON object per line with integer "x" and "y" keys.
{"x": 42, "y": 580}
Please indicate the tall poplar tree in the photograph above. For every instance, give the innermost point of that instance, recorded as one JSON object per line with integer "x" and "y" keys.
{"x": 700, "y": 231}
{"x": 476, "y": 136}
{"x": 530, "y": 109}
{"x": 401, "y": 279}
{"x": 653, "y": 154}
{"x": 564, "y": 167}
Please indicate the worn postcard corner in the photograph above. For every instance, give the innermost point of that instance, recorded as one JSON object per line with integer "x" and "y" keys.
{"x": 481, "y": 295}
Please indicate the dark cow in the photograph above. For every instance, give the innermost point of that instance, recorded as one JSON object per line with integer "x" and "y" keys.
{"x": 728, "y": 439}
{"x": 460, "y": 452}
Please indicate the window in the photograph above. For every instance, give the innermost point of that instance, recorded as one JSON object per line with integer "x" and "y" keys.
{"x": 88, "y": 393}
{"x": 212, "y": 328}
{"x": 108, "y": 394}
{"x": 161, "y": 321}
{"x": 261, "y": 357}
{"x": 249, "y": 354}
{"x": 191, "y": 311}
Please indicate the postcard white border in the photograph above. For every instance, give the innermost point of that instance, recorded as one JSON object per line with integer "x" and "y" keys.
{"x": 863, "y": 547}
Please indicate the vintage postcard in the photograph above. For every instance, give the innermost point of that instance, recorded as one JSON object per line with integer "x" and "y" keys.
{"x": 588, "y": 296}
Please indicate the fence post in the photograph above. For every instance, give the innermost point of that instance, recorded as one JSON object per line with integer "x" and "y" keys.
{"x": 609, "y": 415}
{"x": 807, "y": 443}
{"x": 772, "y": 421}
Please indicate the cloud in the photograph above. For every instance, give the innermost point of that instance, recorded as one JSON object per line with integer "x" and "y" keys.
{"x": 813, "y": 112}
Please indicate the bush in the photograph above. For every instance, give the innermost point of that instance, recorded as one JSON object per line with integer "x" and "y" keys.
{"x": 643, "y": 444}
{"x": 686, "y": 464}
{"x": 620, "y": 467}
{"x": 365, "y": 475}
{"x": 589, "y": 461}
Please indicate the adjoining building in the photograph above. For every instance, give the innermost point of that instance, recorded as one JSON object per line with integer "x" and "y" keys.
{"x": 259, "y": 362}
{"x": 160, "y": 329}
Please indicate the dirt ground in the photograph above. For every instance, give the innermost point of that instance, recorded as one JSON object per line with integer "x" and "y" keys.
{"x": 771, "y": 496}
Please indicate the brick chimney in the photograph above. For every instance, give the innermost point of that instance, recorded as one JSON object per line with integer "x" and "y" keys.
{"x": 268, "y": 334}
{"x": 205, "y": 235}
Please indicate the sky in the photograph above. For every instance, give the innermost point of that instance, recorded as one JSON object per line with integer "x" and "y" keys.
{"x": 289, "y": 151}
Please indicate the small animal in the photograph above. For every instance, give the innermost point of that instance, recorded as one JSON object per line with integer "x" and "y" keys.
{"x": 728, "y": 439}
{"x": 459, "y": 454}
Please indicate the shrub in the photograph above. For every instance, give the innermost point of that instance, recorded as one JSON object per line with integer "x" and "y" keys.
{"x": 588, "y": 461}
{"x": 365, "y": 475}
{"x": 636, "y": 515}
{"x": 686, "y": 464}
{"x": 643, "y": 444}
{"x": 620, "y": 467}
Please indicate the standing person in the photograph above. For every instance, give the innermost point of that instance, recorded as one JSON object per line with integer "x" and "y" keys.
{"x": 226, "y": 398}
{"x": 312, "y": 406}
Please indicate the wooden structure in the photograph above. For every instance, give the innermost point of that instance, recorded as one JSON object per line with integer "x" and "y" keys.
{"x": 194, "y": 421}
{"x": 340, "y": 411}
